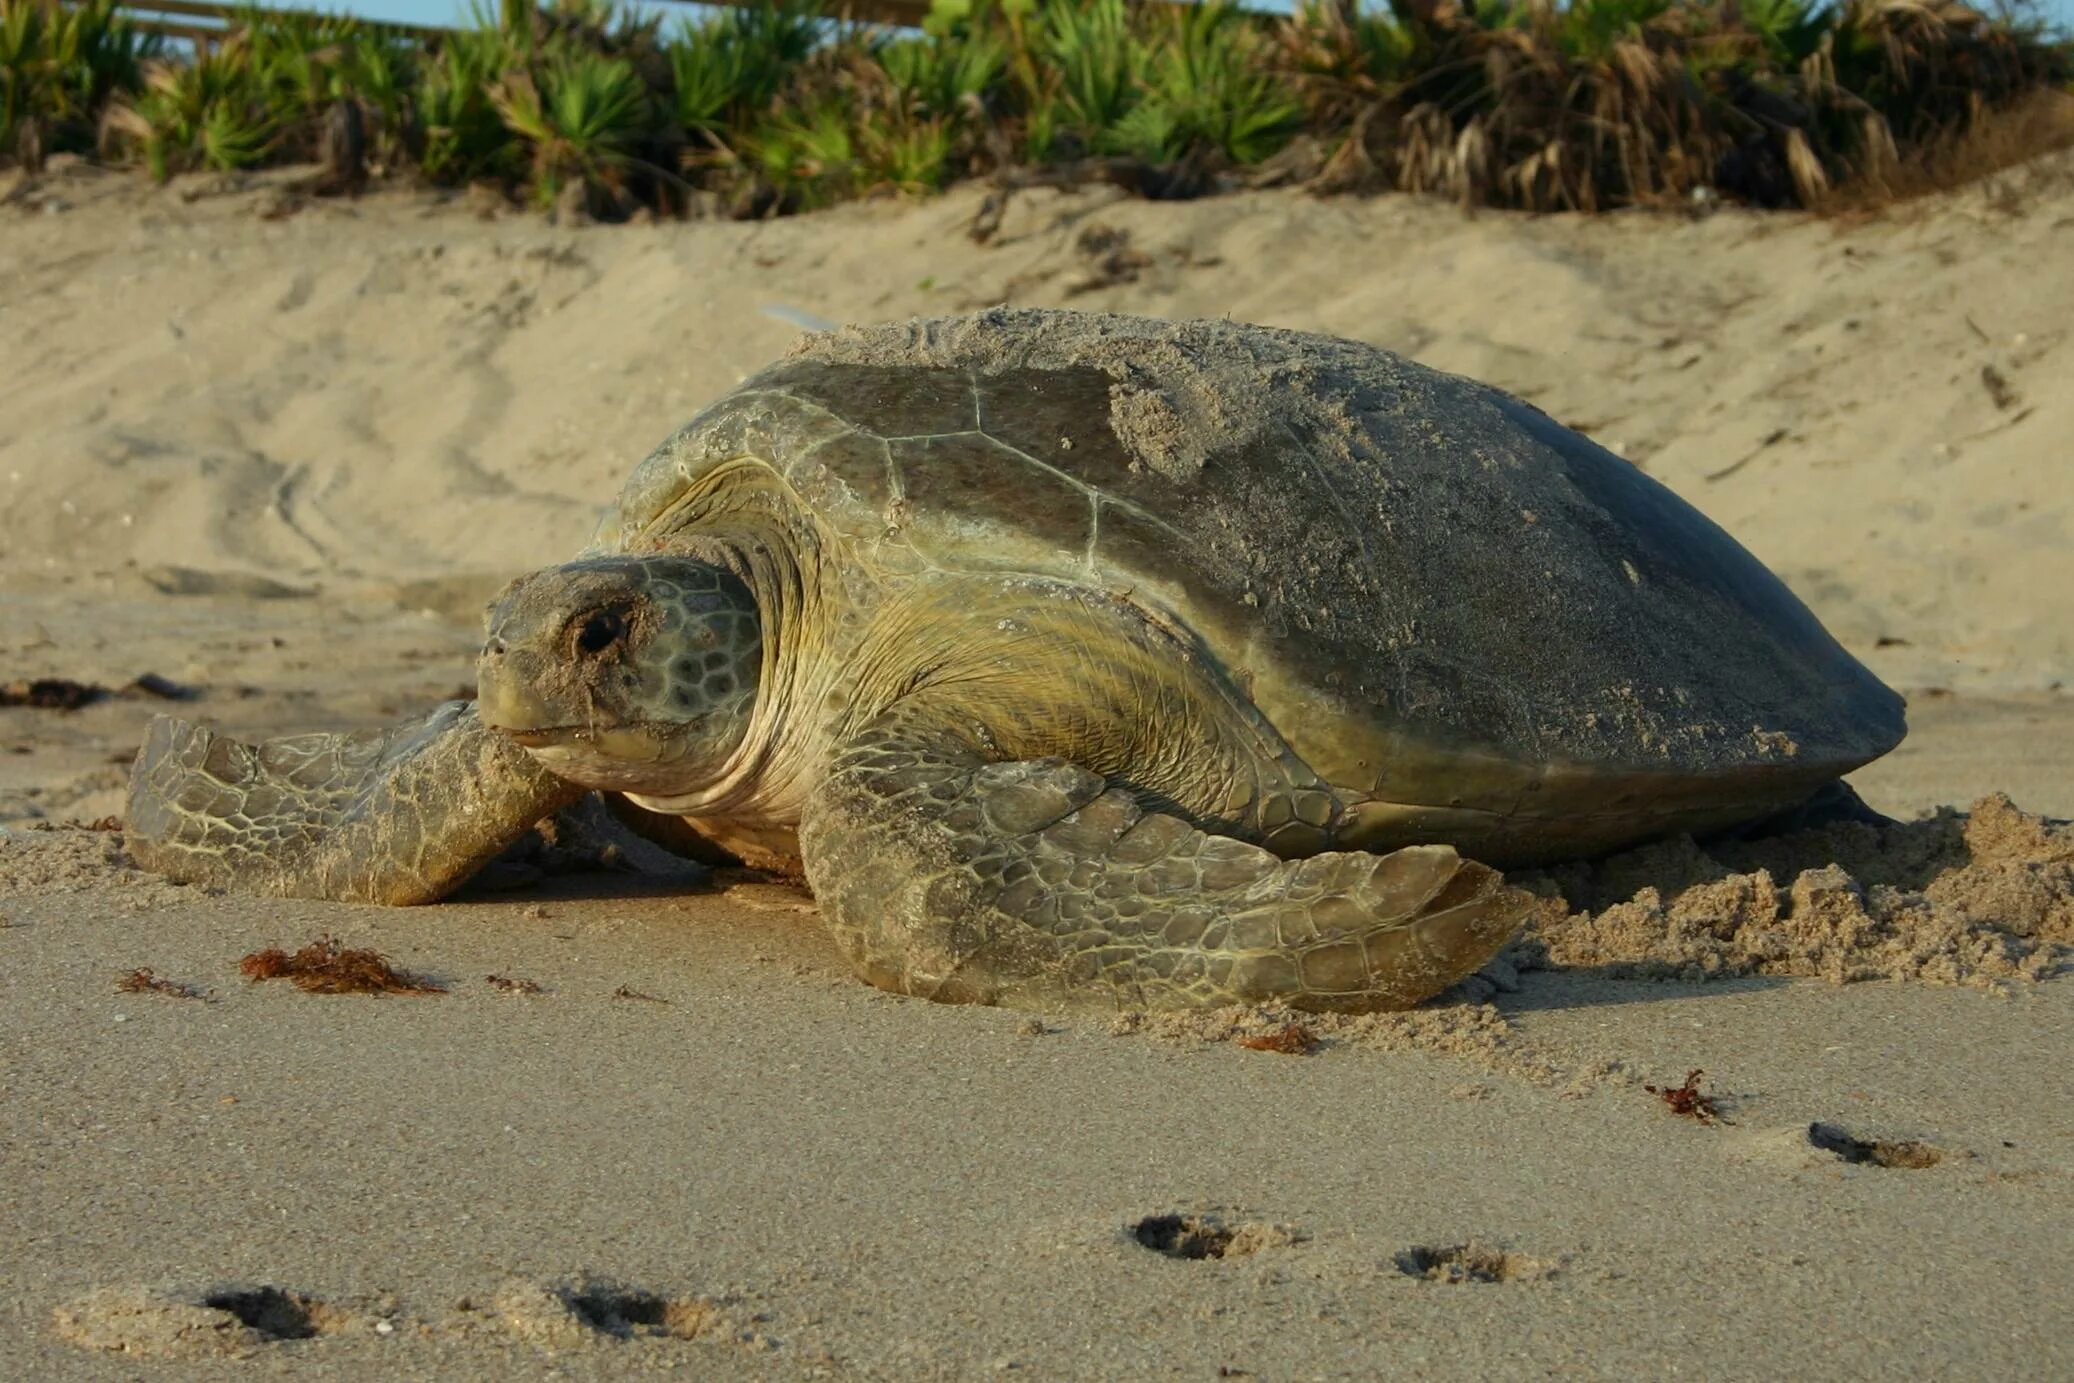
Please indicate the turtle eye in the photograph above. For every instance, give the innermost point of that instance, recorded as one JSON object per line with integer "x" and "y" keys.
{"x": 601, "y": 631}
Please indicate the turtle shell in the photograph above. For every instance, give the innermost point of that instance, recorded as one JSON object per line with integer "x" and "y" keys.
{"x": 1440, "y": 596}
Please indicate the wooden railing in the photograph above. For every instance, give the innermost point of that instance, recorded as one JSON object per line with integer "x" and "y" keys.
{"x": 171, "y": 17}
{"x": 177, "y": 18}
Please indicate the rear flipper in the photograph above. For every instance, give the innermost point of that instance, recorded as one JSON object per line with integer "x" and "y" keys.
{"x": 1035, "y": 884}
{"x": 397, "y": 816}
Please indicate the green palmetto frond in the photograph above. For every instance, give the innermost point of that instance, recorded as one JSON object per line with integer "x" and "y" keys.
{"x": 1092, "y": 64}
{"x": 26, "y": 75}
{"x": 1789, "y": 30}
{"x": 596, "y": 104}
{"x": 707, "y": 82}
{"x": 728, "y": 68}
{"x": 59, "y": 69}
{"x": 1589, "y": 29}
{"x": 382, "y": 71}
{"x": 809, "y": 157}
{"x": 298, "y": 56}
{"x": 948, "y": 18}
{"x": 1211, "y": 92}
{"x": 100, "y": 52}
{"x": 230, "y": 137}
{"x": 460, "y": 132}
{"x": 313, "y": 67}
{"x": 210, "y": 112}
{"x": 945, "y": 76}
{"x": 581, "y": 118}
{"x": 1375, "y": 49}
{"x": 908, "y": 156}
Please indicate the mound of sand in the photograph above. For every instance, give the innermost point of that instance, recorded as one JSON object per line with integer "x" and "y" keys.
{"x": 1977, "y": 898}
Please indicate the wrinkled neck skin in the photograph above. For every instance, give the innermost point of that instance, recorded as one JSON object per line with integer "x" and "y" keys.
{"x": 840, "y": 645}
{"x": 781, "y": 559}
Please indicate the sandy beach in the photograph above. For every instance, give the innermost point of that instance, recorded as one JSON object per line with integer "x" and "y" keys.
{"x": 277, "y": 453}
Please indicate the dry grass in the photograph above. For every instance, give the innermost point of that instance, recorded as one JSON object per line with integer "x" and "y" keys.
{"x": 2008, "y": 155}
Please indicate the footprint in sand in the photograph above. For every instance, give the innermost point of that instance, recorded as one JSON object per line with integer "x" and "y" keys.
{"x": 1802, "y": 1147}
{"x": 240, "y": 1320}
{"x": 1910, "y": 1154}
{"x": 1473, "y": 1264}
{"x": 1208, "y": 1234}
{"x": 595, "y": 1310}
{"x": 230, "y": 1321}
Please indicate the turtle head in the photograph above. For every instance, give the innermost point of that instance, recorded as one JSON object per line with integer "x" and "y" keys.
{"x": 631, "y": 674}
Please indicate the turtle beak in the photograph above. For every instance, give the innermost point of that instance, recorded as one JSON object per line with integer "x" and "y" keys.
{"x": 505, "y": 699}
{"x": 507, "y": 703}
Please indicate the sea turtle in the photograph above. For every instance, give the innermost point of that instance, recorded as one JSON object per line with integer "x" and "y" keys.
{"x": 1091, "y": 660}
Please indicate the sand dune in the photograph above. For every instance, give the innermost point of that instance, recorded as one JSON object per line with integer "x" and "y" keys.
{"x": 386, "y": 389}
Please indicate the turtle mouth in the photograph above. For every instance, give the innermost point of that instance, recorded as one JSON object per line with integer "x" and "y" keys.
{"x": 540, "y": 736}
{"x": 641, "y": 743}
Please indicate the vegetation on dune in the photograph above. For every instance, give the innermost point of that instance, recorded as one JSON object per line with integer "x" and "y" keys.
{"x": 1538, "y": 104}
{"x": 60, "y": 70}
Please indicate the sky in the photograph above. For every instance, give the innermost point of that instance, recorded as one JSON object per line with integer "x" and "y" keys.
{"x": 455, "y": 11}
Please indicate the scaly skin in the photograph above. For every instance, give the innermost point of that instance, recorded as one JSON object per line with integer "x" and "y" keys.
{"x": 1073, "y": 809}
{"x": 396, "y": 816}
{"x": 954, "y": 877}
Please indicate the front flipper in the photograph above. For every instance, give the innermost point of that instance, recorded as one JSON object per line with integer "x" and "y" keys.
{"x": 949, "y": 876}
{"x": 398, "y": 816}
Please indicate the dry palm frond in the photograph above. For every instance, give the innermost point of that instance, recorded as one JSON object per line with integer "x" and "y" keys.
{"x": 1809, "y": 179}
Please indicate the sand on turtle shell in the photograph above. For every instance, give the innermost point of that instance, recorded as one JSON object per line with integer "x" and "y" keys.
{"x": 1176, "y": 382}
{"x": 1979, "y": 898}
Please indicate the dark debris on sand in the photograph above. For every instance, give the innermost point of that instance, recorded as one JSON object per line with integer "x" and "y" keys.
{"x": 143, "y": 981}
{"x": 323, "y": 967}
{"x": 1291, "y": 1039}
{"x": 64, "y": 694}
{"x": 50, "y": 693}
{"x": 1689, "y": 1101}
